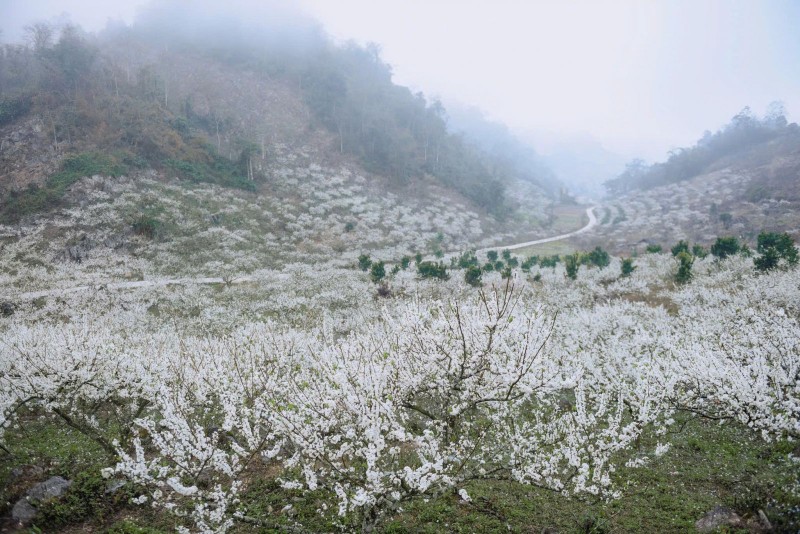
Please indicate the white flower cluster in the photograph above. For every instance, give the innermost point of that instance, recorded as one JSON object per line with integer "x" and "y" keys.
{"x": 376, "y": 403}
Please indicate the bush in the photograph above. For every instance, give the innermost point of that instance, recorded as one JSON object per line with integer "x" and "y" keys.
{"x": 405, "y": 261}
{"x": 598, "y": 257}
{"x": 724, "y": 247}
{"x": 627, "y": 267}
{"x": 377, "y": 271}
{"x": 147, "y": 226}
{"x": 572, "y": 262}
{"x": 682, "y": 246}
{"x": 364, "y": 263}
{"x": 684, "y": 273}
{"x": 550, "y": 261}
{"x": 488, "y": 267}
{"x": 773, "y": 247}
{"x": 529, "y": 262}
{"x": 653, "y": 249}
{"x": 491, "y": 255}
{"x": 467, "y": 259}
{"x": 699, "y": 251}
{"x": 472, "y": 276}
{"x": 429, "y": 269}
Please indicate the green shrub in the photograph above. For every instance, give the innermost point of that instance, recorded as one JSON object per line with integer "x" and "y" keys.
{"x": 682, "y": 246}
{"x": 467, "y": 259}
{"x": 364, "y": 263}
{"x": 221, "y": 172}
{"x": 653, "y": 249}
{"x": 405, "y": 261}
{"x": 724, "y": 247}
{"x": 429, "y": 269}
{"x": 488, "y": 267}
{"x": 147, "y": 226}
{"x": 598, "y": 257}
{"x": 491, "y": 255}
{"x": 627, "y": 267}
{"x": 572, "y": 262}
{"x": 699, "y": 251}
{"x": 377, "y": 271}
{"x": 773, "y": 247}
{"x": 684, "y": 273}
{"x": 472, "y": 276}
{"x": 550, "y": 261}
{"x": 529, "y": 262}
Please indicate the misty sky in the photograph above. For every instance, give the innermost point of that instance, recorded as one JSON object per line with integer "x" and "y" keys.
{"x": 640, "y": 76}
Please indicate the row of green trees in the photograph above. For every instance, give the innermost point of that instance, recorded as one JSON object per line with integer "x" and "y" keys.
{"x": 774, "y": 250}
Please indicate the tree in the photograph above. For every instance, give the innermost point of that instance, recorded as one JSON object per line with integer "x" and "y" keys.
{"x": 572, "y": 262}
{"x": 684, "y": 273}
{"x": 364, "y": 262}
{"x": 726, "y": 219}
{"x": 773, "y": 247}
{"x": 429, "y": 269}
{"x": 627, "y": 267}
{"x": 682, "y": 246}
{"x": 472, "y": 276}
{"x": 599, "y": 257}
{"x": 724, "y": 247}
{"x": 377, "y": 271}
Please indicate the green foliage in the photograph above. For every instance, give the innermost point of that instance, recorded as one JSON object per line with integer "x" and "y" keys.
{"x": 724, "y": 247}
{"x": 488, "y": 267}
{"x": 506, "y": 255}
{"x": 349, "y": 226}
{"x": 513, "y": 262}
{"x": 418, "y": 258}
{"x": 85, "y": 500}
{"x": 699, "y": 251}
{"x": 364, "y": 263}
{"x": 773, "y": 247}
{"x": 653, "y": 249}
{"x": 221, "y": 172}
{"x": 50, "y": 196}
{"x": 499, "y": 265}
{"x": 506, "y": 273}
{"x": 472, "y": 276}
{"x": 467, "y": 259}
{"x": 129, "y": 527}
{"x": 572, "y": 262}
{"x": 627, "y": 267}
{"x": 684, "y": 273}
{"x": 429, "y": 269}
{"x": 529, "y": 262}
{"x": 405, "y": 261}
{"x": 377, "y": 271}
{"x": 491, "y": 255}
{"x": 726, "y": 219}
{"x": 682, "y": 246}
{"x": 537, "y": 277}
{"x": 147, "y": 226}
{"x": 550, "y": 261}
{"x": 598, "y": 257}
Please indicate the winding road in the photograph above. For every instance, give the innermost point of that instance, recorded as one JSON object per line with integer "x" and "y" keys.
{"x": 239, "y": 280}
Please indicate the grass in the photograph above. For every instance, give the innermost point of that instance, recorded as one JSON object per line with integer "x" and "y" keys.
{"x": 708, "y": 465}
{"x": 49, "y": 196}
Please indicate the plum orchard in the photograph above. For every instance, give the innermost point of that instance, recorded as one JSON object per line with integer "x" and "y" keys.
{"x": 541, "y": 383}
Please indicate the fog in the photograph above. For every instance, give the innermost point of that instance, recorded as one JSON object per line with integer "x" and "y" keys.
{"x": 639, "y": 78}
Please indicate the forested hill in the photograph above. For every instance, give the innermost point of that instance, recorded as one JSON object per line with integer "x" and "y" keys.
{"x": 207, "y": 98}
{"x": 768, "y": 147}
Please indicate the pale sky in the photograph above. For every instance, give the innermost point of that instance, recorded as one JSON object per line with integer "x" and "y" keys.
{"x": 640, "y": 76}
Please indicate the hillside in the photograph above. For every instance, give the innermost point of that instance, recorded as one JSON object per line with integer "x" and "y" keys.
{"x": 249, "y": 284}
{"x": 739, "y": 181}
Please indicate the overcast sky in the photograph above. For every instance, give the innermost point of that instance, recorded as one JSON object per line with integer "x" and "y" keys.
{"x": 640, "y": 76}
